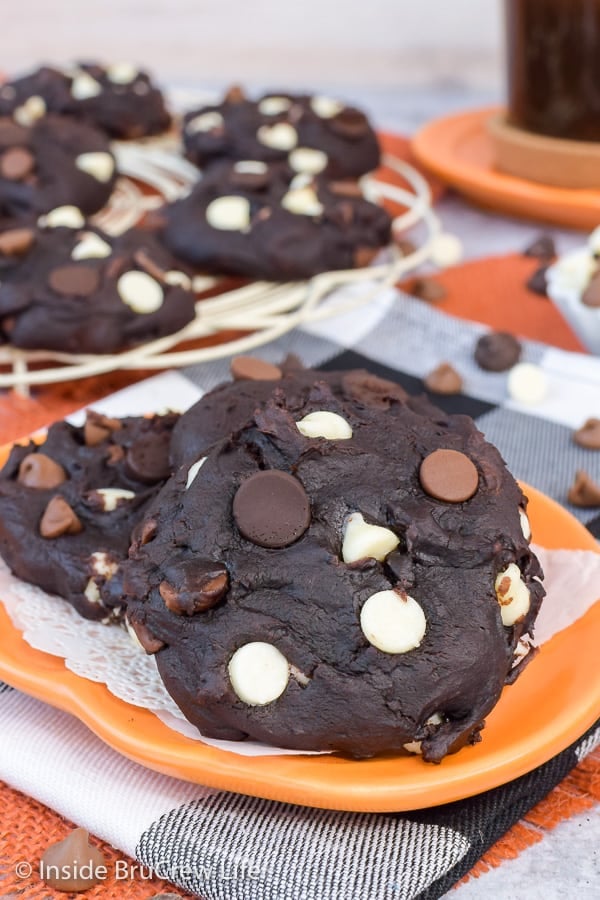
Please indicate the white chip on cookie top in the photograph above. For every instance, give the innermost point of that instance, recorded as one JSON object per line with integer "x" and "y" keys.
{"x": 205, "y": 122}
{"x": 274, "y": 106}
{"x": 250, "y": 167}
{"x": 91, "y": 246}
{"x": 512, "y": 594}
{"x": 326, "y": 107}
{"x": 99, "y": 165}
{"x": 393, "y": 622}
{"x": 259, "y": 673}
{"x": 112, "y": 497}
{"x": 62, "y": 217}
{"x": 30, "y": 111}
{"x": 102, "y": 564}
{"x": 525, "y": 524}
{"x": 142, "y": 293}
{"x": 231, "y": 213}
{"x": 305, "y": 159}
{"x": 364, "y": 541}
{"x": 122, "y": 73}
{"x": 83, "y": 86}
{"x": 325, "y": 424}
{"x": 193, "y": 471}
{"x": 302, "y": 202}
{"x": 281, "y": 136}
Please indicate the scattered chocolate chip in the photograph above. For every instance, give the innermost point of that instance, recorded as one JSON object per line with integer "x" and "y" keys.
{"x": 497, "y": 351}
{"x": 253, "y": 369}
{"x": 98, "y": 428}
{"x": 538, "y": 283}
{"x": 194, "y": 587}
{"x": 364, "y": 256}
{"x": 40, "y": 471}
{"x": 588, "y": 435}
{"x": 147, "y": 460}
{"x": 17, "y": 241}
{"x": 74, "y": 280}
{"x": 584, "y": 491}
{"x": 235, "y": 94}
{"x": 271, "y": 509}
{"x": 449, "y": 475}
{"x": 372, "y": 390}
{"x": 148, "y": 265}
{"x": 58, "y": 519}
{"x": 350, "y": 123}
{"x": 444, "y": 380}
{"x": 73, "y": 864}
{"x": 542, "y": 248}
{"x": 348, "y": 188}
{"x": 150, "y": 643}
{"x": 591, "y": 295}
{"x": 427, "y": 289}
{"x": 16, "y": 163}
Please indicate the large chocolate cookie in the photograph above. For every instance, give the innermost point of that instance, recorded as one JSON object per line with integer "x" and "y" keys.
{"x": 55, "y": 162}
{"x": 68, "y": 506}
{"x": 340, "y": 575}
{"x": 312, "y": 133}
{"x": 66, "y": 286}
{"x": 119, "y": 99}
{"x": 257, "y": 219}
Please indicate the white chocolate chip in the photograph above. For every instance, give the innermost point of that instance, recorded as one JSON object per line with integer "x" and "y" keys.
{"x": 62, "y": 217}
{"x": 527, "y": 384}
{"x": 91, "y": 246}
{"x": 32, "y": 110}
{"x": 250, "y": 167}
{"x": 523, "y": 649}
{"x": 525, "y": 524}
{"x": 201, "y": 283}
{"x": 299, "y": 676}
{"x": 177, "y": 279}
{"x": 102, "y": 564}
{"x": 302, "y": 202}
{"x": 142, "y": 293}
{"x": 513, "y": 595}
{"x": 393, "y": 622}
{"x": 193, "y": 471}
{"x": 229, "y": 213}
{"x": 446, "y": 250}
{"x": 100, "y": 166}
{"x": 300, "y": 181}
{"x": 122, "y": 73}
{"x": 84, "y": 86}
{"x": 205, "y": 122}
{"x": 326, "y": 425}
{"x": 326, "y": 107}
{"x": 92, "y": 593}
{"x": 364, "y": 541}
{"x": 274, "y": 106}
{"x": 415, "y": 746}
{"x": 111, "y": 497}
{"x": 280, "y": 136}
{"x": 259, "y": 673}
{"x": 131, "y": 632}
{"x": 305, "y": 159}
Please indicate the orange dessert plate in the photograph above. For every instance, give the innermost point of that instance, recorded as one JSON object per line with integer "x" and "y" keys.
{"x": 556, "y": 699}
{"x": 459, "y": 150}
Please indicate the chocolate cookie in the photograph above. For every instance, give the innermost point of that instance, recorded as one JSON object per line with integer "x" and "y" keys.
{"x": 66, "y": 286}
{"x": 336, "y": 575}
{"x": 314, "y": 134}
{"x": 257, "y": 219}
{"x": 118, "y": 99}
{"x": 55, "y": 162}
{"x": 68, "y": 506}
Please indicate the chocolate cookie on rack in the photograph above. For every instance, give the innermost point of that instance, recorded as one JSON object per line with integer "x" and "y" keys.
{"x": 54, "y": 162}
{"x": 68, "y": 506}
{"x": 66, "y": 286}
{"x": 314, "y": 134}
{"x": 263, "y": 221}
{"x": 119, "y": 99}
{"x": 339, "y": 574}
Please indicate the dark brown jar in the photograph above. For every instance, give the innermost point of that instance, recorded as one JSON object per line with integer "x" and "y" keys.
{"x": 553, "y": 62}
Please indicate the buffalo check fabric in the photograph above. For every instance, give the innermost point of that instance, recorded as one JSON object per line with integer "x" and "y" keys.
{"x": 223, "y": 846}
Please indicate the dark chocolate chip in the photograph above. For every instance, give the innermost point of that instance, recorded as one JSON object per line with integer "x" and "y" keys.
{"x": 542, "y": 248}
{"x": 74, "y": 280}
{"x": 271, "y": 509}
{"x": 449, "y": 475}
{"x": 194, "y": 586}
{"x": 17, "y": 241}
{"x": 427, "y": 289}
{"x": 147, "y": 460}
{"x": 444, "y": 380}
{"x": 588, "y": 435}
{"x": 349, "y": 123}
{"x": 253, "y": 369}
{"x": 538, "y": 283}
{"x": 58, "y": 519}
{"x": 591, "y": 295}
{"x": 584, "y": 491}
{"x": 16, "y": 163}
{"x": 497, "y": 351}
{"x": 40, "y": 471}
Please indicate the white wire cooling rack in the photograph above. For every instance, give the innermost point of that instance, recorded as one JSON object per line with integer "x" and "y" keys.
{"x": 266, "y": 310}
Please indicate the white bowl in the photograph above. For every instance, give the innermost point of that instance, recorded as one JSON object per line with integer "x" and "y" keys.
{"x": 566, "y": 280}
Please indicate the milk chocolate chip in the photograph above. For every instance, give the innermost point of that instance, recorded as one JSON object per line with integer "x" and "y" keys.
{"x": 16, "y": 242}
{"x": 444, "y": 380}
{"x": 74, "y": 280}
{"x": 39, "y": 471}
{"x": 588, "y": 435}
{"x": 16, "y": 163}
{"x": 58, "y": 519}
{"x": 194, "y": 586}
{"x": 449, "y": 475}
{"x": 73, "y": 864}
{"x": 271, "y": 509}
{"x": 584, "y": 491}
{"x": 98, "y": 427}
{"x": 428, "y": 290}
{"x": 542, "y": 248}
{"x": 253, "y": 369}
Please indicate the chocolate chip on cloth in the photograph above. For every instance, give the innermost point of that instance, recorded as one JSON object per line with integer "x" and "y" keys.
{"x": 314, "y": 134}
{"x": 69, "y": 506}
{"x": 497, "y": 351}
{"x": 118, "y": 99}
{"x": 260, "y": 220}
{"x": 67, "y": 286}
{"x": 54, "y": 162}
{"x": 349, "y": 596}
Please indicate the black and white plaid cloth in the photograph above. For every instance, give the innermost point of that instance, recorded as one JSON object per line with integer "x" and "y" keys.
{"x": 224, "y": 846}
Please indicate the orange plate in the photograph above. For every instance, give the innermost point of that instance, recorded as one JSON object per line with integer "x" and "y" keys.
{"x": 458, "y": 149}
{"x": 554, "y": 702}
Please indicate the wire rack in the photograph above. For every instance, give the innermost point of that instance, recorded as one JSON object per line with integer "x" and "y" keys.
{"x": 264, "y": 310}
